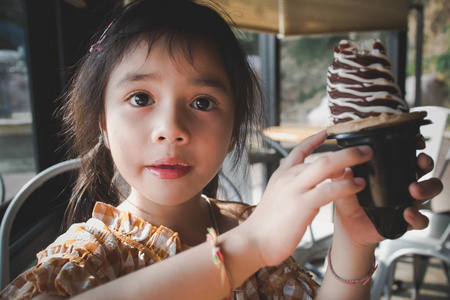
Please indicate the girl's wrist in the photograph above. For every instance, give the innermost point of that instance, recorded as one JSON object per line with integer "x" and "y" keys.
{"x": 239, "y": 255}
{"x": 351, "y": 261}
{"x": 363, "y": 280}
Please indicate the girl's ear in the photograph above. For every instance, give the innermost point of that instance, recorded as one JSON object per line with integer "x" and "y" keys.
{"x": 103, "y": 132}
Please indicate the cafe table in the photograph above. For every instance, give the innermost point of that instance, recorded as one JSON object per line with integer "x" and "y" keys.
{"x": 294, "y": 133}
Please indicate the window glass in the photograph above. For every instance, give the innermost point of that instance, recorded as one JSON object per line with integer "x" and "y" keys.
{"x": 250, "y": 43}
{"x": 16, "y": 139}
{"x": 435, "y": 54}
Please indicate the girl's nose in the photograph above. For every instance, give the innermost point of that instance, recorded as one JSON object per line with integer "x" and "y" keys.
{"x": 171, "y": 127}
{"x": 176, "y": 140}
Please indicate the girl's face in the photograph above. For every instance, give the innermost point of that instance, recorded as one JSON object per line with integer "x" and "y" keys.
{"x": 168, "y": 122}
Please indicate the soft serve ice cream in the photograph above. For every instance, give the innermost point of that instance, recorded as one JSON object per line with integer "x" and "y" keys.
{"x": 361, "y": 83}
{"x": 362, "y": 92}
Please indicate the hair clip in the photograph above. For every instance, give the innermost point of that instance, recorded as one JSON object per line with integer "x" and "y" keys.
{"x": 97, "y": 45}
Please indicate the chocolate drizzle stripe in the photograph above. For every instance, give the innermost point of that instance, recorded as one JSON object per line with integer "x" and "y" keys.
{"x": 360, "y": 82}
{"x": 353, "y": 64}
{"x": 364, "y": 109}
{"x": 366, "y": 75}
{"x": 351, "y": 93}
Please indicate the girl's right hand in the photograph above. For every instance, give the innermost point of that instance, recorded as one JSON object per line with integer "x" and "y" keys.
{"x": 295, "y": 193}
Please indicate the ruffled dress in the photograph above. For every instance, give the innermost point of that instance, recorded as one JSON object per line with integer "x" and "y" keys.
{"x": 114, "y": 243}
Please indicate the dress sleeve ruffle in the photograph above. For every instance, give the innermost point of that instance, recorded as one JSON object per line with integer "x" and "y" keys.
{"x": 111, "y": 244}
{"x": 75, "y": 262}
{"x": 284, "y": 281}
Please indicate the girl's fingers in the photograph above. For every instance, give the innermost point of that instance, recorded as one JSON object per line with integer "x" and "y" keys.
{"x": 334, "y": 163}
{"x": 300, "y": 168}
{"x": 426, "y": 189}
{"x": 415, "y": 219}
{"x": 425, "y": 164}
{"x": 303, "y": 150}
{"x": 420, "y": 142}
{"x": 421, "y": 191}
{"x": 346, "y": 174}
{"x": 332, "y": 190}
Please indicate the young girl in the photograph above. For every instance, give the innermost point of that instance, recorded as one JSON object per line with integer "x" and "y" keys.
{"x": 161, "y": 99}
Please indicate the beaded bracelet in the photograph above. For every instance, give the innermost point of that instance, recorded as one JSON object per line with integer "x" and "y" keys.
{"x": 364, "y": 281}
{"x": 218, "y": 259}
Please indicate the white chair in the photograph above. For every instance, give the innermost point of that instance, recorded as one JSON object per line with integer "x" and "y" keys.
{"x": 2, "y": 189}
{"x": 431, "y": 242}
{"x": 433, "y": 133}
{"x": 421, "y": 244}
{"x": 17, "y": 202}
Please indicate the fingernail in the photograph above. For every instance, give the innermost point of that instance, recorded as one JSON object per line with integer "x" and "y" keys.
{"x": 365, "y": 149}
{"x": 359, "y": 181}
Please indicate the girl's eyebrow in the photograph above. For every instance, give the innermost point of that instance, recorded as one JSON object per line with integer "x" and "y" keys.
{"x": 132, "y": 77}
{"x": 210, "y": 82}
{"x": 207, "y": 81}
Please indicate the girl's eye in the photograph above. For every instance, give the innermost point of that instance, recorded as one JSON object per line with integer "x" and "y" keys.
{"x": 203, "y": 104}
{"x": 140, "y": 99}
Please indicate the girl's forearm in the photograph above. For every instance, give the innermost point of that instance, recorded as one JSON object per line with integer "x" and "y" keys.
{"x": 349, "y": 263}
{"x": 188, "y": 275}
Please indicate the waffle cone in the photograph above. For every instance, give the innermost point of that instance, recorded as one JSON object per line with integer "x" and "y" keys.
{"x": 381, "y": 121}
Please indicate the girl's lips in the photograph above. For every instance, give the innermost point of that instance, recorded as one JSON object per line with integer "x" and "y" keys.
{"x": 169, "y": 171}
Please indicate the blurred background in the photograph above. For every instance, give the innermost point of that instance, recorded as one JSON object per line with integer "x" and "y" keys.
{"x": 289, "y": 43}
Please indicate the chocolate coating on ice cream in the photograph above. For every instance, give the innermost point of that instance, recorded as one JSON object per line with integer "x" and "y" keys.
{"x": 361, "y": 83}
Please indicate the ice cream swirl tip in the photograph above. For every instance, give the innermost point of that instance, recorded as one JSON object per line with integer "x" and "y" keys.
{"x": 361, "y": 83}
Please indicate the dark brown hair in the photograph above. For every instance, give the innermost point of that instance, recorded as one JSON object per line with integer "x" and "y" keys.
{"x": 176, "y": 21}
